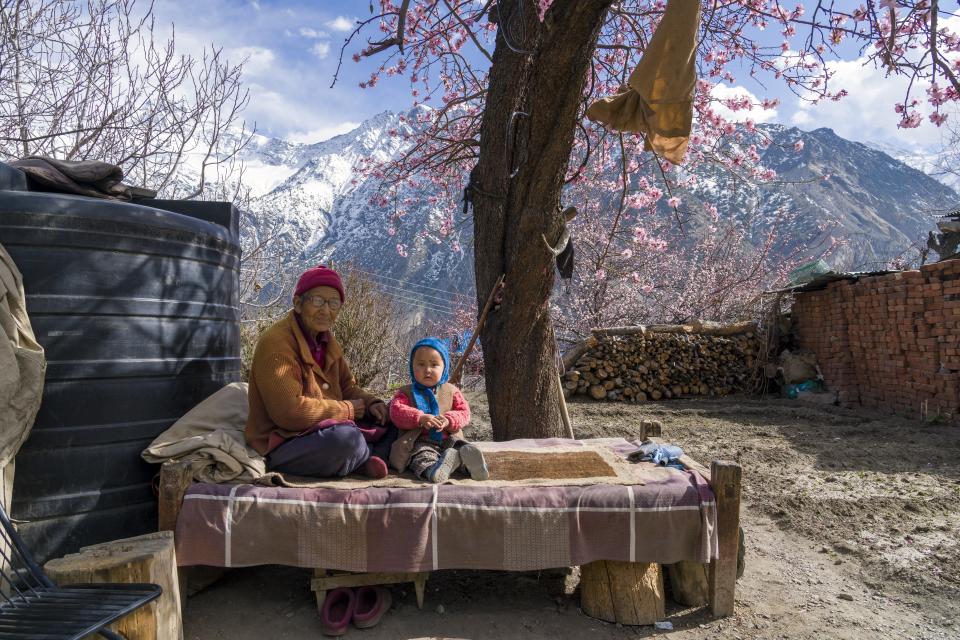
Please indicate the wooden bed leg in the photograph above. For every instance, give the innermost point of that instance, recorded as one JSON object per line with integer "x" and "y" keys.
{"x": 420, "y": 585}
{"x": 725, "y": 479}
{"x": 175, "y": 477}
{"x": 689, "y": 583}
{"x": 321, "y": 594}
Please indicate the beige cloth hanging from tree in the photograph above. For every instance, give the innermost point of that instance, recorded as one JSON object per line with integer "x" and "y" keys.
{"x": 659, "y": 99}
{"x": 22, "y": 365}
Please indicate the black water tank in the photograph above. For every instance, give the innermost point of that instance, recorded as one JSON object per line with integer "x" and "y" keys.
{"x": 137, "y": 309}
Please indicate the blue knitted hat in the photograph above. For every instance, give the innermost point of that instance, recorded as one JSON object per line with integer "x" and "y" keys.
{"x": 423, "y": 396}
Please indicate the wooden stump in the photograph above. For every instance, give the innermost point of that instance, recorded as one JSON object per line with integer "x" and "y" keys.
{"x": 144, "y": 559}
{"x": 624, "y": 592}
{"x": 689, "y": 583}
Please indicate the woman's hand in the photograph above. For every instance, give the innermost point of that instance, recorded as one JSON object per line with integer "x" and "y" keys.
{"x": 378, "y": 411}
{"x": 359, "y": 408}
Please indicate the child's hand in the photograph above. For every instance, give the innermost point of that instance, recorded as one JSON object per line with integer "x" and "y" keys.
{"x": 445, "y": 424}
{"x": 428, "y": 421}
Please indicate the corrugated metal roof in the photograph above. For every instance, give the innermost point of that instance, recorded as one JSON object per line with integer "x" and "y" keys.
{"x": 821, "y": 282}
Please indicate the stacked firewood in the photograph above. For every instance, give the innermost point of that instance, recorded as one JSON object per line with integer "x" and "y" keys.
{"x": 648, "y": 364}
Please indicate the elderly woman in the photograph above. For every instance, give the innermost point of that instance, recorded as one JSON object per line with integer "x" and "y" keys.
{"x": 304, "y": 402}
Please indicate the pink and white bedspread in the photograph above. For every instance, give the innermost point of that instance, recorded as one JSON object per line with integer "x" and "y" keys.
{"x": 666, "y": 516}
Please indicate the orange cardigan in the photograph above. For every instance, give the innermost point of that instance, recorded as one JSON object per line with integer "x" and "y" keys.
{"x": 289, "y": 392}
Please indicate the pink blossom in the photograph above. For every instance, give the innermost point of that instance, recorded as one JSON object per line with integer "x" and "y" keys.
{"x": 542, "y": 6}
{"x": 627, "y": 254}
{"x": 910, "y": 121}
{"x": 601, "y": 275}
{"x": 673, "y": 202}
{"x": 798, "y": 146}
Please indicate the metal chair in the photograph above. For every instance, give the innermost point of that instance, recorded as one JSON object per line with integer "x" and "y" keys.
{"x": 33, "y": 608}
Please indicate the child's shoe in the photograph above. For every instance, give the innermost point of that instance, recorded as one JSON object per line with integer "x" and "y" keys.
{"x": 440, "y": 472}
{"x": 473, "y": 461}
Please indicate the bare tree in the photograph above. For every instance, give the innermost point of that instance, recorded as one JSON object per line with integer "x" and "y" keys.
{"x": 92, "y": 80}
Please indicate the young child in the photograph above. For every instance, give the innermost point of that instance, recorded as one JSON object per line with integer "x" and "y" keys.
{"x": 430, "y": 414}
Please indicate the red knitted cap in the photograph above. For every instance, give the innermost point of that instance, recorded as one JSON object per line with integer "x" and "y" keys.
{"x": 318, "y": 276}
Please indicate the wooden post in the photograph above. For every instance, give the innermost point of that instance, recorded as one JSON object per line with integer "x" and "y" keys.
{"x": 458, "y": 369}
{"x": 650, "y": 430}
{"x": 564, "y": 414}
{"x": 624, "y": 592}
{"x": 144, "y": 559}
{"x": 725, "y": 480}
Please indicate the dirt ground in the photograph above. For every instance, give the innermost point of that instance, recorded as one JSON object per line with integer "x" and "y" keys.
{"x": 852, "y": 523}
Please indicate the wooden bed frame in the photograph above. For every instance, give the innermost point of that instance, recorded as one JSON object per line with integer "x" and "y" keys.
{"x": 721, "y": 575}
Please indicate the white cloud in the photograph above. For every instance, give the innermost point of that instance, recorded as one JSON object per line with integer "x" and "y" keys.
{"x": 320, "y": 49}
{"x": 722, "y": 92}
{"x": 323, "y": 132}
{"x": 340, "y": 23}
{"x": 307, "y": 32}
{"x": 259, "y": 60}
{"x": 866, "y": 114}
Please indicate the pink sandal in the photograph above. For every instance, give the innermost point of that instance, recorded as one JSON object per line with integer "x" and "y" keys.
{"x": 338, "y": 608}
{"x": 372, "y": 603}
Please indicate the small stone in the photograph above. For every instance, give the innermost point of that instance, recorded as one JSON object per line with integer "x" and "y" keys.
{"x": 846, "y": 596}
{"x": 440, "y": 610}
{"x": 838, "y": 561}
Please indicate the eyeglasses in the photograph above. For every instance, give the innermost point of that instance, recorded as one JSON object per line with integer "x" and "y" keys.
{"x": 319, "y": 301}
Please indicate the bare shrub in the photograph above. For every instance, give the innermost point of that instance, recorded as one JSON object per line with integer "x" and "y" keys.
{"x": 370, "y": 326}
{"x": 371, "y": 330}
{"x": 92, "y": 80}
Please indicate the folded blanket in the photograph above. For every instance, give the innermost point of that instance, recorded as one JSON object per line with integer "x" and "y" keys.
{"x": 210, "y": 438}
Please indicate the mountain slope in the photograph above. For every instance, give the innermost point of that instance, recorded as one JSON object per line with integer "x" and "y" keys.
{"x": 309, "y": 200}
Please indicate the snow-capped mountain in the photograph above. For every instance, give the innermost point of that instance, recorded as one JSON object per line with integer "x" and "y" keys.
{"x": 928, "y": 162}
{"x": 313, "y": 204}
{"x": 310, "y": 201}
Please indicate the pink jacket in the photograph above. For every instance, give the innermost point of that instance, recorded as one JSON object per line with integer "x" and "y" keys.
{"x": 406, "y": 416}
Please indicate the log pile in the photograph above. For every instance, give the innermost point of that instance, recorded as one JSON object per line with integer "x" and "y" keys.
{"x": 645, "y": 364}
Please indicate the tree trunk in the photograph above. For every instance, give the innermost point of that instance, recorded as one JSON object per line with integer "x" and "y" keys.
{"x": 511, "y": 213}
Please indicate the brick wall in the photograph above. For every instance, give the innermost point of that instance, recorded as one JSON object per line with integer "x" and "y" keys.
{"x": 888, "y": 342}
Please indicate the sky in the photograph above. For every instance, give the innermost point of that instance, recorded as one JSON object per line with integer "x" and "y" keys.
{"x": 292, "y": 49}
